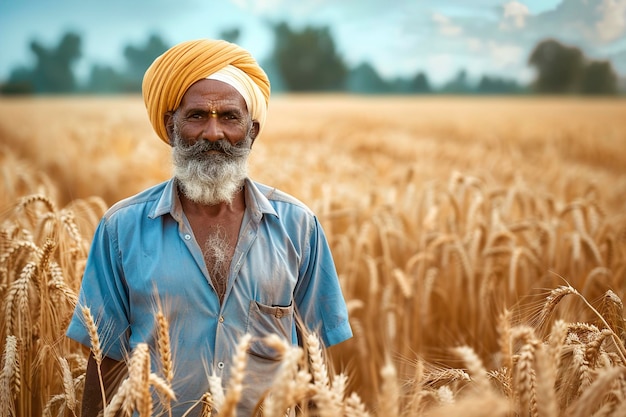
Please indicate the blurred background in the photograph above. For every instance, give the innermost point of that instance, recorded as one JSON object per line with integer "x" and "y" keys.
{"x": 355, "y": 46}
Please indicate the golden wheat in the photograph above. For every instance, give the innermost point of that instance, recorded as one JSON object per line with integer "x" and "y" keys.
{"x": 441, "y": 239}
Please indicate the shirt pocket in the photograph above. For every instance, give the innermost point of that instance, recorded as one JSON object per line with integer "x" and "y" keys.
{"x": 264, "y": 320}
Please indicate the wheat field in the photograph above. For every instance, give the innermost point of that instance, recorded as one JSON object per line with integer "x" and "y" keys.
{"x": 480, "y": 243}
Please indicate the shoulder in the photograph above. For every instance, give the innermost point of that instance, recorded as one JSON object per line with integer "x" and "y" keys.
{"x": 281, "y": 200}
{"x": 141, "y": 202}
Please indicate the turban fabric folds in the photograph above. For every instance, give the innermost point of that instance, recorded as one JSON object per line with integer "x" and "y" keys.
{"x": 251, "y": 93}
{"x": 171, "y": 74}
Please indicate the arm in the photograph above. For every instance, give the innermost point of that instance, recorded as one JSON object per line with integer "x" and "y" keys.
{"x": 112, "y": 374}
{"x": 318, "y": 294}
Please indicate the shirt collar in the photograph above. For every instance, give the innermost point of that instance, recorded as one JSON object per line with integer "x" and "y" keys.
{"x": 257, "y": 203}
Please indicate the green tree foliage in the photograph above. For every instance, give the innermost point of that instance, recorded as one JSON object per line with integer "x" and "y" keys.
{"x": 559, "y": 67}
{"x": 365, "y": 79}
{"x": 308, "y": 60}
{"x": 52, "y": 72}
{"x": 420, "y": 84}
{"x": 20, "y": 82}
{"x": 458, "y": 85}
{"x": 497, "y": 85}
{"x": 105, "y": 79}
{"x": 563, "y": 69}
{"x": 230, "y": 35}
{"x": 139, "y": 58}
{"x": 599, "y": 78}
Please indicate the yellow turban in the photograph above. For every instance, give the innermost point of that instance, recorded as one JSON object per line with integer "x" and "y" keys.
{"x": 171, "y": 74}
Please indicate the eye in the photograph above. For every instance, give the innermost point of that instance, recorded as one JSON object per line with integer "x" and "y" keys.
{"x": 231, "y": 115}
{"x": 195, "y": 115}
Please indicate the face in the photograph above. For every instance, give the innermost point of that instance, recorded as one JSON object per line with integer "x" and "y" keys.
{"x": 212, "y": 110}
{"x": 211, "y": 135}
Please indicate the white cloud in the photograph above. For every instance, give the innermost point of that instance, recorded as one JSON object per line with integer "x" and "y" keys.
{"x": 515, "y": 13}
{"x": 505, "y": 55}
{"x": 613, "y": 22}
{"x": 440, "y": 67}
{"x": 446, "y": 27}
{"x": 474, "y": 45}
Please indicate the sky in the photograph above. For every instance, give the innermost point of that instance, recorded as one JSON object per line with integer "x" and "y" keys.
{"x": 398, "y": 37}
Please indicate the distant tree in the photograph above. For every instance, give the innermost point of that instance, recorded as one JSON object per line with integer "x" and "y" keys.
{"x": 20, "y": 81}
{"x": 139, "y": 58}
{"x": 565, "y": 69}
{"x": 308, "y": 60}
{"x": 230, "y": 35}
{"x": 420, "y": 84}
{"x": 105, "y": 79}
{"x": 53, "y": 70}
{"x": 599, "y": 78}
{"x": 458, "y": 85}
{"x": 365, "y": 79}
{"x": 496, "y": 85}
{"x": 559, "y": 67}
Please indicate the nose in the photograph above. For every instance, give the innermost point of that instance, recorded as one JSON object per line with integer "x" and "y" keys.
{"x": 212, "y": 129}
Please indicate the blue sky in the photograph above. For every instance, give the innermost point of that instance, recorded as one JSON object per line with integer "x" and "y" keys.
{"x": 398, "y": 37}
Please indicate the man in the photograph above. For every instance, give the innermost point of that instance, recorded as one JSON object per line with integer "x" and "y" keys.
{"x": 224, "y": 255}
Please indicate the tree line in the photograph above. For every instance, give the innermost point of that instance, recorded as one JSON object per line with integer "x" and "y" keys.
{"x": 307, "y": 60}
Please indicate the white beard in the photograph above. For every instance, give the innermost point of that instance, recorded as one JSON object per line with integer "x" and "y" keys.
{"x": 210, "y": 178}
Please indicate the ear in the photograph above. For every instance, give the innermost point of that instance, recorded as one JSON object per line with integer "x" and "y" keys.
{"x": 254, "y": 132}
{"x": 168, "y": 121}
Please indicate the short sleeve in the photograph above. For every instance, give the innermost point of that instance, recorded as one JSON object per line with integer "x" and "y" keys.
{"x": 318, "y": 295}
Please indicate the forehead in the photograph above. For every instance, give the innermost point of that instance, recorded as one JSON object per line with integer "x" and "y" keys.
{"x": 212, "y": 93}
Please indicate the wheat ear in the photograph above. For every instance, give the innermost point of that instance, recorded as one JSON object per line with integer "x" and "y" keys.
{"x": 388, "y": 399}
{"x": 281, "y": 393}
{"x": 525, "y": 381}
{"x": 585, "y": 404}
{"x": 475, "y": 368}
{"x": 164, "y": 345}
{"x": 68, "y": 385}
{"x": 553, "y": 299}
{"x": 120, "y": 398}
{"x": 96, "y": 348}
{"x": 235, "y": 384}
{"x": 10, "y": 376}
{"x": 355, "y": 407}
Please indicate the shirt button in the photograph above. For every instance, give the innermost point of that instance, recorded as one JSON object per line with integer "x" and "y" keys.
{"x": 220, "y": 365}
{"x": 221, "y": 319}
{"x": 187, "y": 236}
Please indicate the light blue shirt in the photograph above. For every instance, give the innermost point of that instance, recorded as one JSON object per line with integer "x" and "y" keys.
{"x": 144, "y": 253}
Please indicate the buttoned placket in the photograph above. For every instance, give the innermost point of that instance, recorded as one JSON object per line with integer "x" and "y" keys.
{"x": 248, "y": 235}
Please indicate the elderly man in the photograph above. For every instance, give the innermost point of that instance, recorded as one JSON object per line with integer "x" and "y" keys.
{"x": 223, "y": 255}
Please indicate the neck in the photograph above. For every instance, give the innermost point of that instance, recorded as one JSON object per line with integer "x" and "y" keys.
{"x": 237, "y": 205}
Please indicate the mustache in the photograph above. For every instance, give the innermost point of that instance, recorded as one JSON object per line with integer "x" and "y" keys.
{"x": 202, "y": 146}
